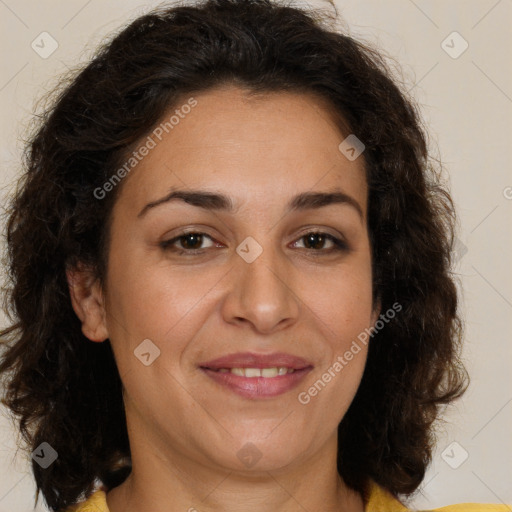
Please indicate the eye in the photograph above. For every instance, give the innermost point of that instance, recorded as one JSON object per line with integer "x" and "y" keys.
{"x": 190, "y": 243}
{"x": 315, "y": 240}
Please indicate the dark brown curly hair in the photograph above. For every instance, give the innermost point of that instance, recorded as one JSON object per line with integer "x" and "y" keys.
{"x": 66, "y": 391}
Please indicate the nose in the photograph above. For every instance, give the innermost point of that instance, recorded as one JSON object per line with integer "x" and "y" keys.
{"x": 262, "y": 292}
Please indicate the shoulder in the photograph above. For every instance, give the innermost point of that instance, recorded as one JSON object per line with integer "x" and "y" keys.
{"x": 473, "y": 507}
{"x": 97, "y": 502}
{"x": 380, "y": 500}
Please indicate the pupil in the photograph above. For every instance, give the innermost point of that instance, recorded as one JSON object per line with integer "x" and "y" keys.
{"x": 311, "y": 238}
{"x": 194, "y": 237}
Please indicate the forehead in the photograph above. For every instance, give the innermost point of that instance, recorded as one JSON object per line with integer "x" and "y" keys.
{"x": 268, "y": 146}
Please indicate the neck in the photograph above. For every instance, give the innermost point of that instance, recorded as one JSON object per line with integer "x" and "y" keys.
{"x": 160, "y": 482}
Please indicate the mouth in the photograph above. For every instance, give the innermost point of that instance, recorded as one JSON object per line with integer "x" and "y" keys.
{"x": 257, "y": 376}
{"x": 251, "y": 373}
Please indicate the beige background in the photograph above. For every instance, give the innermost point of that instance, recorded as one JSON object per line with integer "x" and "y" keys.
{"x": 467, "y": 105}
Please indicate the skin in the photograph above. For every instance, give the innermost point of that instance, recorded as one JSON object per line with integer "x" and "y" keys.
{"x": 185, "y": 429}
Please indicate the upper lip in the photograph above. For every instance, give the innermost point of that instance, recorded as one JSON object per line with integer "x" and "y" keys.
{"x": 252, "y": 360}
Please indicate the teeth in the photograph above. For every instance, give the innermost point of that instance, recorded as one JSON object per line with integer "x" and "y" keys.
{"x": 252, "y": 372}
{"x": 269, "y": 372}
{"x": 258, "y": 372}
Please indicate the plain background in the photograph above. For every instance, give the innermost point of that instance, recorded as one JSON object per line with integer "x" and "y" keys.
{"x": 466, "y": 102}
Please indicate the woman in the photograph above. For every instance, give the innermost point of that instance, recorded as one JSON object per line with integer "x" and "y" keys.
{"x": 230, "y": 271}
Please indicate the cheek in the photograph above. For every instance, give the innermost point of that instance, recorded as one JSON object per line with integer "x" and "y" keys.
{"x": 342, "y": 308}
{"x": 149, "y": 295}
{"x": 342, "y": 301}
{"x": 157, "y": 302}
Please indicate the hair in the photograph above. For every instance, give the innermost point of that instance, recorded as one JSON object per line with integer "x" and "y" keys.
{"x": 66, "y": 391}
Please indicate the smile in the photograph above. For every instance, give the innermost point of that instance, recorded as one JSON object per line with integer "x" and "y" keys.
{"x": 258, "y": 372}
{"x": 257, "y": 376}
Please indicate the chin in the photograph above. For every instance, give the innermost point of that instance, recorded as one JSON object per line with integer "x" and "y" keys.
{"x": 255, "y": 456}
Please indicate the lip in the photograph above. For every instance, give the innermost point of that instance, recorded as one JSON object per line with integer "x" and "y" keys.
{"x": 257, "y": 387}
{"x": 252, "y": 360}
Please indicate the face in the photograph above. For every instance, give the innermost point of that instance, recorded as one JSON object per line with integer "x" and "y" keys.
{"x": 247, "y": 277}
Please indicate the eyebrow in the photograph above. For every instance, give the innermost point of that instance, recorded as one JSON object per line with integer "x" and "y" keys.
{"x": 220, "y": 202}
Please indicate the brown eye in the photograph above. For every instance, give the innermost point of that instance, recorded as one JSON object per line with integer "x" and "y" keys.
{"x": 316, "y": 241}
{"x": 188, "y": 243}
{"x": 191, "y": 243}
{"x": 191, "y": 240}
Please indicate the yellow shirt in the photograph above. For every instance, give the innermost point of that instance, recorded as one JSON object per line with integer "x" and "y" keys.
{"x": 380, "y": 500}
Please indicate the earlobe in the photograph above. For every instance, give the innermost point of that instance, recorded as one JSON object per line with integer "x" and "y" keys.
{"x": 87, "y": 301}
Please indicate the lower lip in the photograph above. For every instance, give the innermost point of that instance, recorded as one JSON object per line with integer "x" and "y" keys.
{"x": 258, "y": 387}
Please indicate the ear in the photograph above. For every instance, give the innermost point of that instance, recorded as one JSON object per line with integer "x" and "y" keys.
{"x": 88, "y": 302}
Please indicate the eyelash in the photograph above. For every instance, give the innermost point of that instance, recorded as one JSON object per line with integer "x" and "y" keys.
{"x": 339, "y": 245}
